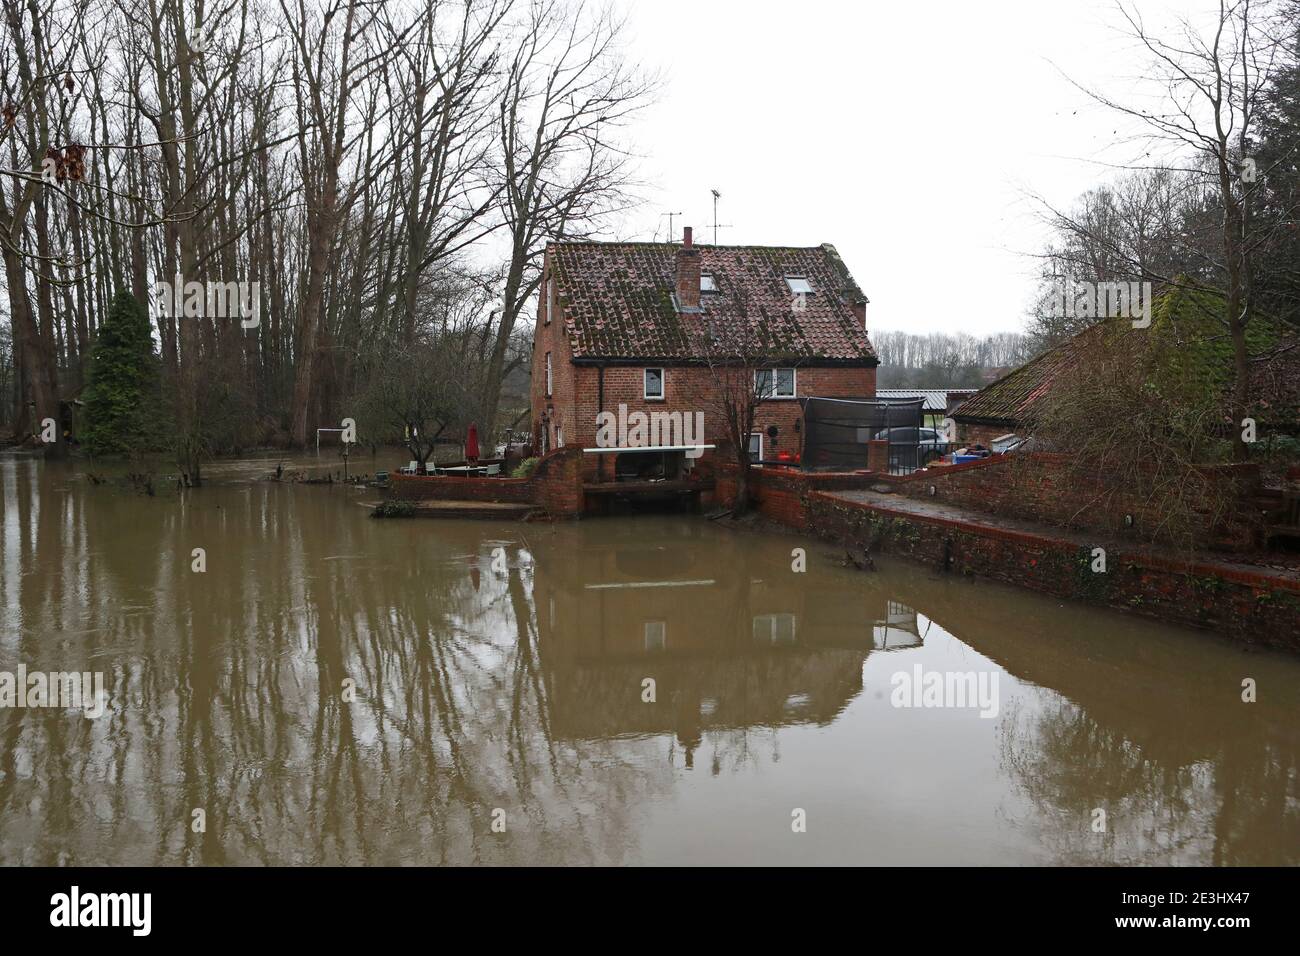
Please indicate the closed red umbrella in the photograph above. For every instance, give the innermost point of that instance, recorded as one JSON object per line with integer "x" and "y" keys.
{"x": 471, "y": 444}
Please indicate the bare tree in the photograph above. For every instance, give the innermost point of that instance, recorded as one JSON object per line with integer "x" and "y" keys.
{"x": 561, "y": 171}
{"x": 739, "y": 358}
{"x": 1214, "y": 84}
{"x": 414, "y": 396}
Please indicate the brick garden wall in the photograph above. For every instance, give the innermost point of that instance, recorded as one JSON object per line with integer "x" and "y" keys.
{"x": 555, "y": 486}
{"x": 780, "y": 493}
{"x": 972, "y": 434}
{"x": 455, "y": 488}
{"x": 1026, "y": 487}
{"x": 557, "y": 481}
{"x": 1249, "y": 607}
{"x": 1034, "y": 487}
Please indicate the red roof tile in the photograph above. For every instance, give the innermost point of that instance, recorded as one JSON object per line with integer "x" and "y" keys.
{"x": 1014, "y": 398}
{"x": 617, "y": 301}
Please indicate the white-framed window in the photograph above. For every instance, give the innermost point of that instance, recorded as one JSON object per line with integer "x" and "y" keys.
{"x": 775, "y": 383}
{"x": 548, "y": 375}
{"x": 654, "y": 383}
{"x": 551, "y": 301}
{"x": 774, "y": 628}
{"x": 707, "y": 284}
{"x": 755, "y": 446}
{"x": 656, "y": 635}
{"x": 799, "y": 285}
{"x": 559, "y": 436}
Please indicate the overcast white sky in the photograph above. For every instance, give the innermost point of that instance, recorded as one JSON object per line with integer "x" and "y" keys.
{"x": 908, "y": 134}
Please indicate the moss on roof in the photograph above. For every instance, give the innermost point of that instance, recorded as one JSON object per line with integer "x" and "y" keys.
{"x": 1195, "y": 356}
{"x": 616, "y": 300}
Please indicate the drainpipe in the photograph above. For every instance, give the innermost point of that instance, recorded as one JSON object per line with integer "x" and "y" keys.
{"x": 600, "y": 407}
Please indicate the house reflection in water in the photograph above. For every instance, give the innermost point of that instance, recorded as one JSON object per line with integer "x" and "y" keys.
{"x": 734, "y": 645}
{"x": 898, "y": 630}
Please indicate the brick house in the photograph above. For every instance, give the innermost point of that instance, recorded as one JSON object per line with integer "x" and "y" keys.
{"x": 619, "y": 325}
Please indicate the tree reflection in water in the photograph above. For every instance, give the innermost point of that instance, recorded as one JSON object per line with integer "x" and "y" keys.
{"x": 478, "y": 689}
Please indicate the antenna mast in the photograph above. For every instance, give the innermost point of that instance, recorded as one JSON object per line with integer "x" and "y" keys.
{"x": 717, "y": 225}
{"x": 671, "y": 234}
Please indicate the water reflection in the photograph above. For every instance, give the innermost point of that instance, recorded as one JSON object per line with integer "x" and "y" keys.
{"x": 729, "y": 638}
{"x": 898, "y": 629}
{"x": 522, "y": 688}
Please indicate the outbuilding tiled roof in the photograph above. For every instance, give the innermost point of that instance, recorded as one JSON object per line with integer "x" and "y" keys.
{"x": 616, "y": 300}
{"x": 1013, "y": 398}
{"x": 1186, "y": 332}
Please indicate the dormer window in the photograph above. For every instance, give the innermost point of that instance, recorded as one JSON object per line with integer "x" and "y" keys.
{"x": 799, "y": 285}
{"x": 707, "y": 284}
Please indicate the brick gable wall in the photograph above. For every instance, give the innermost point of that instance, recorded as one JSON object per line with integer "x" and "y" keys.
{"x": 555, "y": 411}
{"x": 683, "y": 391}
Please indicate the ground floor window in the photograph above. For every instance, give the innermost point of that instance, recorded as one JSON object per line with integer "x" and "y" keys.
{"x": 755, "y": 446}
{"x": 654, "y": 383}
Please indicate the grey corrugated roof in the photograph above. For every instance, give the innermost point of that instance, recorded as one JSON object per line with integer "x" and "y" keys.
{"x": 936, "y": 399}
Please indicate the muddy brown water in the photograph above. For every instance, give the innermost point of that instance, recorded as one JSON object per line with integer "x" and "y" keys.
{"x": 500, "y": 681}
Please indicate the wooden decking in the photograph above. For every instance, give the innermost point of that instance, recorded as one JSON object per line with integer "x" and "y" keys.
{"x": 499, "y": 510}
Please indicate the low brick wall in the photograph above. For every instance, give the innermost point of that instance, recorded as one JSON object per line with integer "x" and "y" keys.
{"x": 778, "y": 497}
{"x": 555, "y": 486}
{"x": 777, "y": 493}
{"x": 558, "y": 483}
{"x": 971, "y": 433}
{"x": 1252, "y": 607}
{"x": 780, "y": 493}
{"x": 1034, "y": 487}
{"x": 456, "y": 488}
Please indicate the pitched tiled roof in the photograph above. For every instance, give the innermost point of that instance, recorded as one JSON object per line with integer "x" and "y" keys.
{"x": 617, "y": 301}
{"x": 1013, "y": 398}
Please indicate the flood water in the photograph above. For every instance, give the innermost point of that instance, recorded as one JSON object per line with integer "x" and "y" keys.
{"x": 508, "y": 687}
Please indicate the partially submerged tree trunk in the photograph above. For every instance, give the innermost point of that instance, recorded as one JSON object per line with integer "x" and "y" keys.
{"x": 740, "y": 505}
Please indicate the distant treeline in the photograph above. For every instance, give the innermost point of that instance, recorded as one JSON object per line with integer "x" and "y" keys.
{"x": 946, "y": 360}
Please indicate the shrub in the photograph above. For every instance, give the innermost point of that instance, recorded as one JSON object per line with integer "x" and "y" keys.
{"x": 393, "y": 509}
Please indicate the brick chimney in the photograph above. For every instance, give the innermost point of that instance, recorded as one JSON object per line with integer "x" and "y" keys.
{"x": 860, "y": 311}
{"x": 688, "y": 273}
